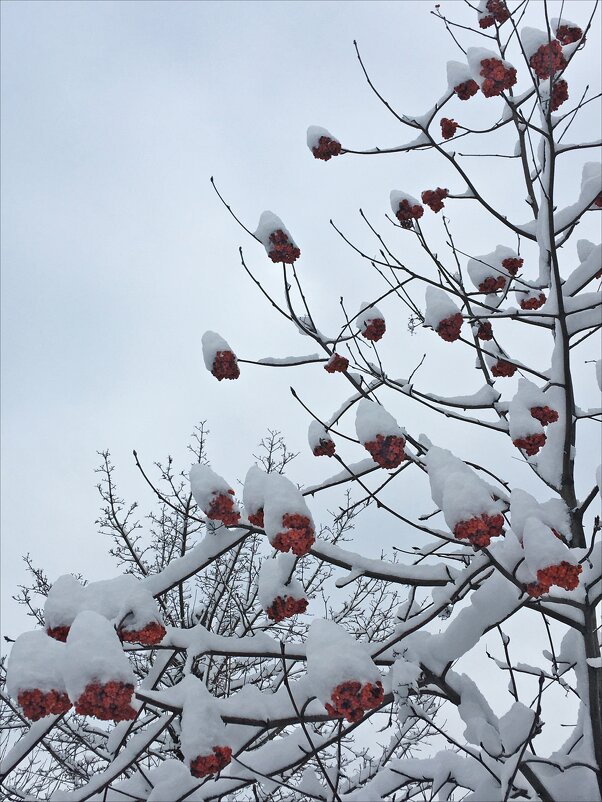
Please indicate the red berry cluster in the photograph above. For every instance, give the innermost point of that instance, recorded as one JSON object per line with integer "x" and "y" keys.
{"x": 286, "y": 607}
{"x": 283, "y": 250}
{"x": 566, "y": 34}
{"x": 298, "y": 537}
{"x": 497, "y": 77}
{"x": 325, "y": 448}
{"x": 149, "y": 635}
{"x": 407, "y": 213}
{"x": 503, "y": 368}
{"x": 109, "y": 701}
{"x": 326, "y": 148}
{"x": 36, "y": 704}
{"x": 534, "y": 302}
{"x": 257, "y": 518}
{"x": 480, "y": 530}
{"x": 204, "y": 765}
{"x": 485, "y": 332}
{"x": 544, "y": 415}
{"x": 434, "y": 198}
{"x": 499, "y": 13}
{"x": 531, "y": 443}
{"x": 449, "y": 328}
{"x": 225, "y": 366}
{"x": 565, "y": 575}
{"x": 467, "y": 89}
{"x": 513, "y": 264}
{"x": 560, "y": 93}
{"x": 448, "y": 128}
{"x": 58, "y": 633}
{"x": 350, "y": 700}
{"x": 492, "y": 284}
{"x": 548, "y": 60}
{"x": 222, "y": 509}
{"x": 387, "y": 451}
{"x": 374, "y": 330}
{"x": 336, "y": 364}
{"x": 598, "y": 203}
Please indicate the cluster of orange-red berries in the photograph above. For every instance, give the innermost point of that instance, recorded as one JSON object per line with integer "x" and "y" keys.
{"x": 286, "y": 607}
{"x": 449, "y": 328}
{"x": 448, "y": 128}
{"x": 498, "y": 13}
{"x": 225, "y": 366}
{"x": 531, "y": 443}
{"x": 544, "y": 415}
{"x": 492, "y": 284}
{"x": 503, "y": 368}
{"x": 560, "y": 93}
{"x": 388, "y": 452}
{"x": 222, "y": 509}
{"x": 150, "y": 635}
{"x": 480, "y": 529}
{"x": 548, "y": 60}
{"x": 374, "y": 330}
{"x": 513, "y": 264}
{"x": 565, "y": 575}
{"x": 325, "y": 448}
{"x": 466, "y": 89}
{"x": 283, "y": 250}
{"x": 336, "y": 364}
{"x": 257, "y": 518}
{"x": 567, "y": 34}
{"x": 326, "y": 148}
{"x": 36, "y": 704}
{"x": 204, "y": 765}
{"x": 598, "y": 203}
{"x": 497, "y": 77}
{"x": 434, "y": 198}
{"x": 350, "y": 700}
{"x": 58, "y": 633}
{"x": 485, "y": 331}
{"x": 534, "y": 302}
{"x": 109, "y": 701}
{"x": 408, "y": 212}
{"x": 298, "y": 536}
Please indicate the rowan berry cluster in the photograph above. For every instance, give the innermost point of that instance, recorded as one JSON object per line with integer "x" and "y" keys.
{"x": 388, "y": 452}
{"x": 448, "y": 128}
{"x": 298, "y": 537}
{"x": 560, "y": 93}
{"x": 325, "y": 448}
{"x": 149, "y": 635}
{"x": 109, "y": 701}
{"x": 225, "y": 366}
{"x": 36, "y": 704}
{"x": 497, "y": 77}
{"x": 434, "y": 198}
{"x": 480, "y": 529}
{"x": 449, "y": 328}
{"x": 374, "y": 330}
{"x": 326, "y": 148}
{"x": 544, "y": 415}
{"x": 350, "y": 700}
{"x": 565, "y": 575}
{"x": 598, "y": 203}
{"x": 283, "y": 250}
{"x": 534, "y": 302}
{"x": 222, "y": 509}
{"x": 485, "y": 331}
{"x": 336, "y": 364}
{"x": 503, "y": 368}
{"x": 548, "y": 60}
{"x": 257, "y": 518}
{"x": 567, "y": 34}
{"x": 513, "y": 264}
{"x": 286, "y": 607}
{"x": 499, "y": 13}
{"x": 204, "y": 765}
{"x": 492, "y": 284}
{"x": 466, "y": 89}
{"x": 407, "y": 213}
{"x": 58, "y": 633}
{"x": 531, "y": 443}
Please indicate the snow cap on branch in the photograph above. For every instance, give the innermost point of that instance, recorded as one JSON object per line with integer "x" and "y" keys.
{"x": 322, "y": 143}
{"x": 320, "y": 441}
{"x": 370, "y": 321}
{"x": 64, "y": 601}
{"x": 202, "y": 726}
{"x": 554, "y": 513}
{"x": 543, "y": 548}
{"x": 35, "y": 662}
{"x": 279, "y": 594}
{"x": 488, "y": 273}
{"x": 276, "y": 239}
{"x": 213, "y": 495}
{"x": 288, "y": 521}
{"x": 219, "y": 358}
{"x": 253, "y": 494}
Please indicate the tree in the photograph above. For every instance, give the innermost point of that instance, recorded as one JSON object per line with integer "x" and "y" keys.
{"x": 221, "y": 708}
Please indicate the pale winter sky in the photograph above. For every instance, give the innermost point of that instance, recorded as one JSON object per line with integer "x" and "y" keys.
{"x": 117, "y": 255}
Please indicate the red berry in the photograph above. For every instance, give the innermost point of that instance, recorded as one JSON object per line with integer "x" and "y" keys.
{"x": 534, "y": 302}
{"x": 449, "y": 328}
{"x": 325, "y": 448}
{"x": 225, "y": 366}
{"x": 434, "y": 198}
{"x": 480, "y": 529}
{"x": 407, "y": 213}
{"x": 448, "y": 128}
{"x": 513, "y": 264}
{"x": 257, "y": 518}
{"x": 58, "y": 633}
{"x": 467, "y": 89}
{"x": 388, "y": 452}
{"x": 486, "y": 22}
{"x": 150, "y": 635}
{"x": 548, "y": 60}
{"x": 503, "y": 368}
{"x": 374, "y": 330}
{"x": 336, "y": 364}
{"x": 566, "y": 34}
{"x": 485, "y": 332}
{"x": 499, "y": 9}
{"x": 560, "y": 93}
{"x": 492, "y": 284}
{"x": 326, "y": 149}
{"x": 298, "y": 536}
{"x": 286, "y": 607}
{"x": 222, "y": 509}
{"x": 598, "y": 203}
{"x": 531, "y": 443}
{"x": 544, "y": 415}
{"x": 564, "y": 575}
{"x": 497, "y": 77}
{"x": 109, "y": 701}
{"x": 204, "y": 765}
{"x": 36, "y": 704}
{"x": 283, "y": 250}
{"x": 350, "y": 700}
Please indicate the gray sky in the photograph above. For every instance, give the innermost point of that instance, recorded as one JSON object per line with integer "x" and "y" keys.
{"x": 117, "y": 254}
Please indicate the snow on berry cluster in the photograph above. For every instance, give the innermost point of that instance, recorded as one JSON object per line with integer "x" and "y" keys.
{"x": 491, "y": 73}
{"x": 500, "y": 367}
{"x": 434, "y": 198}
{"x": 528, "y": 414}
{"x": 548, "y": 60}
{"x": 322, "y": 143}
{"x": 405, "y": 208}
{"x": 484, "y": 331}
{"x": 459, "y": 80}
{"x": 442, "y": 314}
{"x": 378, "y": 431}
{"x": 567, "y": 32}
{"x": 466, "y": 501}
{"x": 371, "y": 322}
{"x": 35, "y": 677}
{"x": 108, "y": 701}
{"x": 204, "y": 738}
{"x": 279, "y": 594}
{"x": 219, "y": 358}
{"x": 204, "y": 765}
{"x": 287, "y": 519}
{"x": 448, "y": 127}
{"x": 492, "y": 11}
{"x": 530, "y": 299}
{"x": 341, "y": 672}
{"x": 489, "y": 273}
{"x": 276, "y": 239}
{"x": 320, "y": 441}
{"x": 336, "y": 364}
{"x": 253, "y": 496}
{"x": 213, "y": 495}
{"x": 560, "y": 93}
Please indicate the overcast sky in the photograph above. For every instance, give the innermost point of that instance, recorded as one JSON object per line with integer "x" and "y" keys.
{"x": 117, "y": 255}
